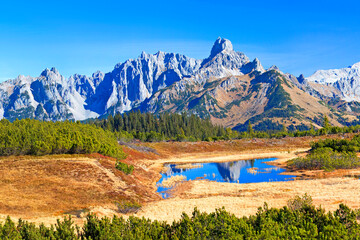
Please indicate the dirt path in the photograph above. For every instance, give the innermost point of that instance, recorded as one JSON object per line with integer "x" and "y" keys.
{"x": 117, "y": 183}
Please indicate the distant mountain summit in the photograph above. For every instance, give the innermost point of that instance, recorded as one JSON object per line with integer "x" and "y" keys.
{"x": 226, "y": 87}
{"x": 338, "y": 83}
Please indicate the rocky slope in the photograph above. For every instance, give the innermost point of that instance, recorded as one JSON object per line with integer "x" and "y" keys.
{"x": 338, "y": 88}
{"x": 267, "y": 99}
{"x": 337, "y": 83}
{"x": 226, "y": 87}
{"x": 244, "y": 92}
{"x": 48, "y": 97}
{"x": 53, "y": 97}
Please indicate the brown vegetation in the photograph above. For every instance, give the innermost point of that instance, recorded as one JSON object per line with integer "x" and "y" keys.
{"x": 177, "y": 149}
{"x": 42, "y": 189}
{"x": 39, "y": 187}
{"x": 244, "y": 199}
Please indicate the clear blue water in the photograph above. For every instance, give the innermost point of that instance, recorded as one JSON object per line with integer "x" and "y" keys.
{"x": 243, "y": 171}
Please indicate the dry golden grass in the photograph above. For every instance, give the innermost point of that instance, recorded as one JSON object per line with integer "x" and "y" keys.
{"x": 244, "y": 199}
{"x": 172, "y": 181}
{"x": 179, "y": 149}
{"x": 50, "y": 186}
{"x": 42, "y": 189}
{"x": 188, "y": 166}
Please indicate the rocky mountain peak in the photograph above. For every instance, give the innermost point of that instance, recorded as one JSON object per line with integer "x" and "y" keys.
{"x": 258, "y": 66}
{"x": 160, "y": 53}
{"x": 356, "y": 66}
{"x": 273, "y": 67}
{"x": 54, "y": 70}
{"x": 98, "y": 74}
{"x": 136, "y": 83}
{"x": 143, "y": 55}
{"x": 221, "y": 45}
{"x": 49, "y": 73}
{"x": 255, "y": 65}
{"x": 45, "y": 73}
{"x": 301, "y": 79}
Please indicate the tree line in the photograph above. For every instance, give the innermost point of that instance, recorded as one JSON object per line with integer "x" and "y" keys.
{"x": 326, "y": 129}
{"x": 33, "y": 137}
{"x": 183, "y": 127}
{"x": 165, "y": 126}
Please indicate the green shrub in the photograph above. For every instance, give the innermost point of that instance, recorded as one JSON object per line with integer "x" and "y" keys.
{"x": 298, "y": 203}
{"x": 128, "y": 207}
{"x": 33, "y": 137}
{"x": 339, "y": 145}
{"x": 327, "y": 159}
{"x": 125, "y": 168}
{"x": 305, "y": 222}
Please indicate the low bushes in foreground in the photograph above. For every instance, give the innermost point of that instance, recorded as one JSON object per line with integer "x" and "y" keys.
{"x": 327, "y": 159}
{"x": 302, "y": 222}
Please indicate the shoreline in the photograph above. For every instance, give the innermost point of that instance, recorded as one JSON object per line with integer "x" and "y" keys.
{"x": 240, "y": 199}
{"x": 327, "y": 189}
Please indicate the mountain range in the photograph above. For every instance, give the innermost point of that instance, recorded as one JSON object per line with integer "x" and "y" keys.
{"x": 226, "y": 87}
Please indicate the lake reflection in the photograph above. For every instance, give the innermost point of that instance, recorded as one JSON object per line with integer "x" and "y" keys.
{"x": 243, "y": 171}
{"x": 230, "y": 171}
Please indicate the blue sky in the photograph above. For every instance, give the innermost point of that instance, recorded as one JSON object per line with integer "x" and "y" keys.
{"x": 85, "y": 36}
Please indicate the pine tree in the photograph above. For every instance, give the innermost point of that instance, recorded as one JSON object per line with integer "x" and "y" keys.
{"x": 327, "y": 124}
{"x": 312, "y": 129}
{"x": 250, "y": 130}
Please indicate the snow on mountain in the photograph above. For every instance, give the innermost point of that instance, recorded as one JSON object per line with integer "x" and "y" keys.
{"x": 135, "y": 80}
{"x": 342, "y": 83}
{"x": 222, "y": 62}
{"x": 334, "y": 75}
{"x": 48, "y": 97}
{"x": 51, "y": 96}
{"x": 1, "y": 113}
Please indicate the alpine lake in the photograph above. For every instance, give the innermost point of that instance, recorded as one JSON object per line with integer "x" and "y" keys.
{"x": 239, "y": 172}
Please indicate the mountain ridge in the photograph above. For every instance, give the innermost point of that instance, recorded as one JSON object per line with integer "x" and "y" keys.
{"x": 226, "y": 87}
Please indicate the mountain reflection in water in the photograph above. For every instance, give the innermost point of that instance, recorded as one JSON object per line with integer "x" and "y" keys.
{"x": 230, "y": 171}
{"x": 243, "y": 171}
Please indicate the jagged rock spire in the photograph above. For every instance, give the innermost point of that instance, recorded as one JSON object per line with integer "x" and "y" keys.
{"x": 221, "y": 45}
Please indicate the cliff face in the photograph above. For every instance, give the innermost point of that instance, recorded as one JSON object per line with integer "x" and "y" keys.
{"x": 337, "y": 83}
{"x": 53, "y": 97}
{"x": 226, "y": 87}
